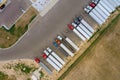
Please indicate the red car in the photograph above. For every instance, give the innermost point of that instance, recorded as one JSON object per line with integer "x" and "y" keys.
{"x": 44, "y": 55}
{"x": 70, "y": 27}
{"x": 92, "y": 5}
{"x": 37, "y": 60}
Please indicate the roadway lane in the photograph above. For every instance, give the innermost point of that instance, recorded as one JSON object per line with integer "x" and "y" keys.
{"x": 44, "y": 29}
{"x": 13, "y": 11}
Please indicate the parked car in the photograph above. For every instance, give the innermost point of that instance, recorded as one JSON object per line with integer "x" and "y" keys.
{"x": 37, "y": 60}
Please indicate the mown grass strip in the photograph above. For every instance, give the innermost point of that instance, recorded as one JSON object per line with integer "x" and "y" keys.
{"x": 102, "y": 33}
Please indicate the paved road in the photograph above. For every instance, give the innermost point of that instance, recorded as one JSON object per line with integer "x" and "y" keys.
{"x": 13, "y": 11}
{"x": 44, "y": 30}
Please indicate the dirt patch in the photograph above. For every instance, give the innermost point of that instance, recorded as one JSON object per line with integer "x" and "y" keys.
{"x": 9, "y": 68}
{"x": 102, "y": 61}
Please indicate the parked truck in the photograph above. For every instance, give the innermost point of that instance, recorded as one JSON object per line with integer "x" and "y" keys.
{"x": 87, "y": 25}
{"x": 95, "y": 17}
{"x": 112, "y": 2}
{"x": 45, "y": 56}
{"x": 66, "y": 43}
{"x": 101, "y": 12}
{"x": 76, "y": 32}
{"x": 53, "y": 64}
{"x": 58, "y": 58}
{"x": 97, "y": 13}
{"x": 52, "y": 58}
{"x": 106, "y": 7}
{"x": 108, "y": 4}
{"x": 104, "y": 10}
{"x": 85, "y": 29}
{"x": 83, "y": 33}
{"x": 43, "y": 66}
{"x": 72, "y": 43}
{"x": 118, "y": 2}
{"x": 46, "y": 52}
{"x": 56, "y": 45}
{"x": 55, "y": 61}
{"x": 67, "y": 50}
{"x": 64, "y": 47}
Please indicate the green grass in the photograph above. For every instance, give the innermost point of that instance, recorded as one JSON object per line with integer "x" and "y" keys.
{"x": 42, "y": 74}
{"x": 32, "y": 18}
{"x": 102, "y": 33}
{"x": 3, "y": 76}
{"x": 16, "y": 32}
{"x": 12, "y": 29}
{"x": 23, "y": 68}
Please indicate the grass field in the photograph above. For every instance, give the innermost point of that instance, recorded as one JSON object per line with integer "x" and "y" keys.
{"x": 101, "y": 60}
{"x": 9, "y": 37}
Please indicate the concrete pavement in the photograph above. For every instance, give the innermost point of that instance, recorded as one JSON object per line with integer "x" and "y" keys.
{"x": 44, "y": 29}
{"x": 12, "y": 12}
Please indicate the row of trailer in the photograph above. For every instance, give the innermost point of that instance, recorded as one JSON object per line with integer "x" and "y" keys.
{"x": 53, "y": 58}
{"x": 66, "y": 44}
{"x": 81, "y": 28}
{"x": 100, "y": 10}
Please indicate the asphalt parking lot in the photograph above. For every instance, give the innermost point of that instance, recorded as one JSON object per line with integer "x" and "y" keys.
{"x": 44, "y": 30}
{"x": 13, "y": 11}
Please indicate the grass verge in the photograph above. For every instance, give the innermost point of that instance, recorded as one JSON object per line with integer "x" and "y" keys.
{"x": 9, "y": 37}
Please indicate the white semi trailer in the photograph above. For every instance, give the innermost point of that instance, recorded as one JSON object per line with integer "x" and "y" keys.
{"x": 105, "y": 6}
{"x": 96, "y": 13}
{"x": 66, "y": 49}
{"x": 43, "y": 66}
{"x": 108, "y": 5}
{"x": 87, "y": 25}
{"x": 103, "y": 9}
{"x": 72, "y": 43}
{"x": 52, "y": 58}
{"x": 46, "y": 68}
{"x": 53, "y": 64}
{"x": 56, "y": 56}
{"x": 85, "y": 29}
{"x": 95, "y": 17}
{"x": 50, "y": 61}
{"x": 112, "y": 2}
{"x": 100, "y": 12}
{"x": 79, "y": 35}
{"x": 82, "y": 32}
{"x": 116, "y": 2}
{"x": 55, "y": 61}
